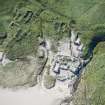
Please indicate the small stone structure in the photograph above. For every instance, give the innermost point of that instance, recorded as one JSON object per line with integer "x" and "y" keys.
{"x": 76, "y": 46}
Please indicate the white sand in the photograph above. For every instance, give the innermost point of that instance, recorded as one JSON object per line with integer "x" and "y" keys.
{"x": 64, "y": 48}
{"x": 31, "y": 96}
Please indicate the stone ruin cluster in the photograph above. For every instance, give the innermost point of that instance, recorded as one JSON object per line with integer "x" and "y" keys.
{"x": 66, "y": 67}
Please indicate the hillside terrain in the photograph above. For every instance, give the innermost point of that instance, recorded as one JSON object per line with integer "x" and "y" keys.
{"x": 91, "y": 88}
{"x": 23, "y": 22}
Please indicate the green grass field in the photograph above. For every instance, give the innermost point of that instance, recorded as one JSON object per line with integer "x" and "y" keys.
{"x": 92, "y": 86}
{"x": 88, "y": 15}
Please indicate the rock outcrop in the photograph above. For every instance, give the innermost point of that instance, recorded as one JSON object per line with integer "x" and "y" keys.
{"x": 49, "y": 81}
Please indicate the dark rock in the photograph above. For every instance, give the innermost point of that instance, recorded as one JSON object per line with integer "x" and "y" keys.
{"x": 28, "y": 16}
{"x": 3, "y": 35}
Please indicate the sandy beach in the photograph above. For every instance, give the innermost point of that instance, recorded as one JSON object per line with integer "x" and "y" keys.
{"x": 31, "y": 96}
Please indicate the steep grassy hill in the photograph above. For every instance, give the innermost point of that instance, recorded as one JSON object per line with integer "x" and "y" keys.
{"x": 92, "y": 86}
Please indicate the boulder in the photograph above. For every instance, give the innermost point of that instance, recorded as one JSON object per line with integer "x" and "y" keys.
{"x": 49, "y": 81}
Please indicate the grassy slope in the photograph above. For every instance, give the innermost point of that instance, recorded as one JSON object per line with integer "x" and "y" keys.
{"x": 6, "y": 8}
{"x": 92, "y": 86}
{"x": 18, "y": 73}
